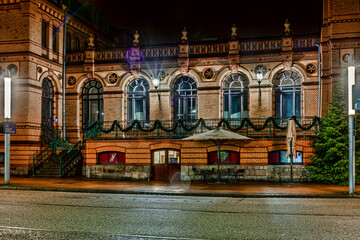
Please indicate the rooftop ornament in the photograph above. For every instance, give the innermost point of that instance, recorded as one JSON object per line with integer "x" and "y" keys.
{"x": 184, "y": 38}
{"x": 287, "y": 32}
{"x": 234, "y": 32}
{"x": 91, "y": 44}
{"x": 136, "y": 39}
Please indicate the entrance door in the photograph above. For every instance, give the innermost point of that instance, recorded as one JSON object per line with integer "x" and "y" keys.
{"x": 165, "y": 164}
{"x": 47, "y": 103}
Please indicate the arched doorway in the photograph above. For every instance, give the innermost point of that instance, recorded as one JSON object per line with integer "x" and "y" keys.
{"x": 47, "y": 100}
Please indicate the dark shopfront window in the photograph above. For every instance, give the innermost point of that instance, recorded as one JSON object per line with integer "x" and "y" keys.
{"x": 111, "y": 158}
{"x": 279, "y": 158}
{"x": 226, "y": 157}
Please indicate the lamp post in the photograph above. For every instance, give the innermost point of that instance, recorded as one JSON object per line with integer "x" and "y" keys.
{"x": 351, "y": 113}
{"x": 66, "y": 9}
{"x": 7, "y": 116}
{"x": 319, "y": 73}
{"x": 259, "y": 78}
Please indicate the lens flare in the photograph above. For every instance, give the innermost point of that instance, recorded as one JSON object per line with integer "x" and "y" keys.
{"x": 68, "y": 16}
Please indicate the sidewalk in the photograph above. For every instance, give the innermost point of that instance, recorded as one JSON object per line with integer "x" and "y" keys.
{"x": 241, "y": 189}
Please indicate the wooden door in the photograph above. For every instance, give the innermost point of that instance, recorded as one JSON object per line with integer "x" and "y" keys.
{"x": 165, "y": 164}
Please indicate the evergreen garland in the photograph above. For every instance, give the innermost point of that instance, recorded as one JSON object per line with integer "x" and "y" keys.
{"x": 96, "y": 128}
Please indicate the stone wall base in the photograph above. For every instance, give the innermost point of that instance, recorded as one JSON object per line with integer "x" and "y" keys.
{"x": 268, "y": 173}
{"x": 117, "y": 172}
{"x": 18, "y": 171}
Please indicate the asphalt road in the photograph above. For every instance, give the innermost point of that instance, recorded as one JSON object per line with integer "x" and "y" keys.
{"x": 58, "y": 215}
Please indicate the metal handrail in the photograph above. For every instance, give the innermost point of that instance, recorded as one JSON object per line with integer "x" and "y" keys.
{"x": 270, "y": 130}
{"x": 43, "y": 157}
{"x": 69, "y": 157}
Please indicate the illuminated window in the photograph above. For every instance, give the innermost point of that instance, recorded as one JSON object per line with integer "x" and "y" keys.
{"x": 185, "y": 101}
{"x": 226, "y": 157}
{"x": 235, "y": 96}
{"x": 288, "y": 95}
{"x": 111, "y": 158}
{"x": 138, "y": 100}
{"x": 279, "y": 157}
{"x": 92, "y": 102}
{"x": 166, "y": 156}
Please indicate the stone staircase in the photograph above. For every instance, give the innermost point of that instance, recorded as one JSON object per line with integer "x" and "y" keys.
{"x": 51, "y": 168}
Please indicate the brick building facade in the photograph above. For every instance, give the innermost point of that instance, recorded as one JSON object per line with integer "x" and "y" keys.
{"x": 210, "y": 80}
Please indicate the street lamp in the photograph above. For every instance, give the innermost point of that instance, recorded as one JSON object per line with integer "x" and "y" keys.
{"x": 7, "y": 116}
{"x": 351, "y": 113}
{"x": 259, "y": 78}
{"x": 156, "y": 82}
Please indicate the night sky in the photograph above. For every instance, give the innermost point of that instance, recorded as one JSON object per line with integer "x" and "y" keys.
{"x": 162, "y": 21}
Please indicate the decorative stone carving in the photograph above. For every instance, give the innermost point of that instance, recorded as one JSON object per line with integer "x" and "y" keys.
{"x": 208, "y": 73}
{"x": 71, "y": 80}
{"x": 13, "y": 69}
{"x": 113, "y": 78}
{"x": 311, "y": 68}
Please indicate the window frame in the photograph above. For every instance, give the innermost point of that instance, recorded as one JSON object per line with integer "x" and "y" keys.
{"x": 281, "y": 153}
{"x": 182, "y": 98}
{"x": 134, "y": 96}
{"x": 282, "y": 89}
{"x": 231, "y": 153}
{"x": 108, "y": 155}
{"x": 166, "y": 160}
{"x": 54, "y": 39}
{"x": 230, "y": 91}
{"x": 47, "y": 99}
{"x": 44, "y": 24}
{"x": 86, "y": 101}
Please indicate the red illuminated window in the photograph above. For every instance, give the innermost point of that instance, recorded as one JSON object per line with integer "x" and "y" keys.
{"x": 111, "y": 158}
{"x": 226, "y": 157}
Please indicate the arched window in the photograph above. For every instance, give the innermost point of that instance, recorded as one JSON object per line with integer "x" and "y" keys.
{"x": 288, "y": 94}
{"x": 92, "y": 102}
{"x": 47, "y": 103}
{"x": 185, "y": 101}
{"x": 235, "y": 96}
{"x": 138, "y": 100}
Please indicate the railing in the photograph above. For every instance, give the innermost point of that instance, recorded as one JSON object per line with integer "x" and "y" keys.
{"x": 69, "y": 159}
{"x": 49, "y": 135}
{"x": 169, "y": 129}
{"x": 43, "y": 157}
{"x": 300, "y": 43}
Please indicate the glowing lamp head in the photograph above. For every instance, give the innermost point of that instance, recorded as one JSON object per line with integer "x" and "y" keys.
{"x": 7, "y": 97}
{"x": 259, "y": 77}
{"x": 155, "y": 82}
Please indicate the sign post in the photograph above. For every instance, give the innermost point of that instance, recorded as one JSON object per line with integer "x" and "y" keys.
{"x": 351, "y": 111}
{"x": 7, "y": 115}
